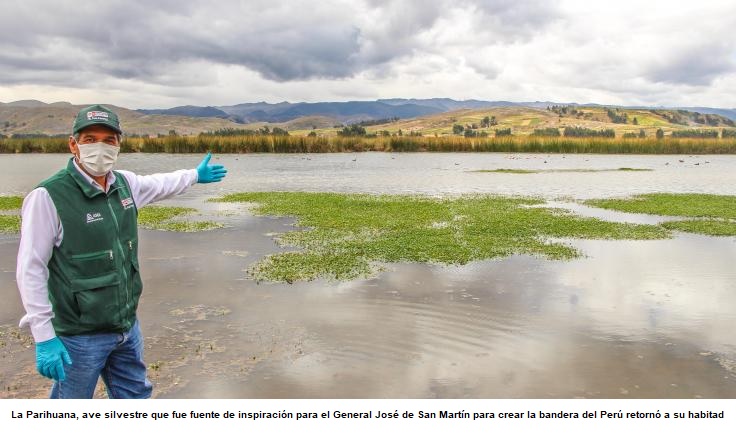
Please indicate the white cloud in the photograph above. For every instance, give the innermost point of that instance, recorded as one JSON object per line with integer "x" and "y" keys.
{"x": 160, "y": 54}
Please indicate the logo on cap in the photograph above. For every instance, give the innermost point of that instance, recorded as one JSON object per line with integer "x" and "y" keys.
{"x": 97, "y": 115}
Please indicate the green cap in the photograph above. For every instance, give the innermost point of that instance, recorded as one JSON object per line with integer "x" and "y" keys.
{"x": 96, "y": 115}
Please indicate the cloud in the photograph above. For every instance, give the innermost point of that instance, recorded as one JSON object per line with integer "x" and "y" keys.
{"x": 512, "y": 20}
{"x": 697, "y": 66}
{"x": 188, "y": 51}
{"x": 282, "y": 41}
{"x": 298, "y": 40}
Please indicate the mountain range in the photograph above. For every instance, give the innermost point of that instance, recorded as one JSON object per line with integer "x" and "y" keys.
{"x": 342, "y": 112}
{"x": 357, "y": 111}
{"x": 36, "y": 117}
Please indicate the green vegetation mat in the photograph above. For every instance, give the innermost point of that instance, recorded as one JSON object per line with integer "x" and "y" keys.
{"x": 150, "y": 217}
{"x": 157, "y": 218}
{"x": 719, "y": 211}
{"x": 351, "y": 233}
{"x": 561, "y": 170}
{"x": 507, "y": 170}
{"x": 705, "y": 227}
{"x": 10, "y": 202}
{"x": 9, "y": 223}
{"x": 687, "y": 205}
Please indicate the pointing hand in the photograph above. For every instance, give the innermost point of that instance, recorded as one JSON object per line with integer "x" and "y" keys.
{"x": 209, "y": 173}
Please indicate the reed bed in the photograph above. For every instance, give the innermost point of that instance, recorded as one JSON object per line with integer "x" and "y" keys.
{"x": 324, "y": 144}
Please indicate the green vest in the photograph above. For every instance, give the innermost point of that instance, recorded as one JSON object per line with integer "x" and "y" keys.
{"x": 94, "y": 281}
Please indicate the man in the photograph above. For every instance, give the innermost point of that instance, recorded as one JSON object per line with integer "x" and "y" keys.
{"x": 78, "y": 262}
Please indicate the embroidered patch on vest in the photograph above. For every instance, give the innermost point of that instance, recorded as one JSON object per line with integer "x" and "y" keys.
{"x": 94, "y": 217}
{"x": 127, "y": 202}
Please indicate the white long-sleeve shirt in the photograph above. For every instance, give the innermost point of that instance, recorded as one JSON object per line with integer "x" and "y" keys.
{"x": 41, "y": 231}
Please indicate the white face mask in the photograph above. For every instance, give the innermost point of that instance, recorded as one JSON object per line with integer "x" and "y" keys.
{"x": 98, "y": 158}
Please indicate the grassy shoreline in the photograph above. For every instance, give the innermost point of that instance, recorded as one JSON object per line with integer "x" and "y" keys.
{"x": 334, "y": 144}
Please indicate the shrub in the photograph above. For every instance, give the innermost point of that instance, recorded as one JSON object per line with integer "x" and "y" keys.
{"x": 546, "y": 132}
{"x": 696, "y": 133}
{"x": 503, "y": 132}
{"x": 576, "y": 131}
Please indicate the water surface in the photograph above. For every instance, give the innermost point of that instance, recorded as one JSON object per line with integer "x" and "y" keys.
{"x": 631, "y": 319}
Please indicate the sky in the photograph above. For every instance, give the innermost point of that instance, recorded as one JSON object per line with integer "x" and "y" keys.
{"x": 160, "y": 54}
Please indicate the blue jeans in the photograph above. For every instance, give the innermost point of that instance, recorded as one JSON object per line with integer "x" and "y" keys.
{"x": 117, "y": 357}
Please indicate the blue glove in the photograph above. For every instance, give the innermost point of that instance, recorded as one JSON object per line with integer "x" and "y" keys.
{"x": 50, "y": 358}
{"x": 209, "y": 173}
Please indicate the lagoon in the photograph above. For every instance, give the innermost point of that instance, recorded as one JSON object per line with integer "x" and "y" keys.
{"x": 633, "y": 319}
{"x": 421, "y": 173}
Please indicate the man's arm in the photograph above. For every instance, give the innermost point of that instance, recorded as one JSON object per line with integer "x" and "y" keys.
{"x": 159, "y": 186}
{"x": 155, "y": 187}
{"x": 40, "y": 231}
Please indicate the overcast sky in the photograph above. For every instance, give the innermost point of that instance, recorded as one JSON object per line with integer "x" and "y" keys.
{"x": 159, "y": 54}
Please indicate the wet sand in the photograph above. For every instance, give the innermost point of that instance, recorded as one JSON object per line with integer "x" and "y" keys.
{"x": 631, "y": 319}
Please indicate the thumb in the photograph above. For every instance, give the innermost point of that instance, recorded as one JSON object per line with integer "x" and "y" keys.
{"x": 206, "y": 159}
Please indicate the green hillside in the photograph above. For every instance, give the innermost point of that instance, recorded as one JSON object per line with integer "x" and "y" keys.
{"x": 524, "y": 120}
